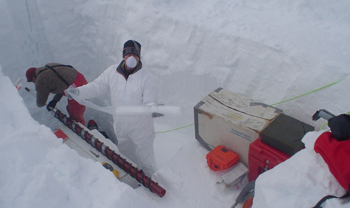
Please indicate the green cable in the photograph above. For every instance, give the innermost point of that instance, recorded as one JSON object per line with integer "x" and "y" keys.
{"x": 175, "y": 129}
{"x": 308, "y": 92}
{"x": 323, "y": 125}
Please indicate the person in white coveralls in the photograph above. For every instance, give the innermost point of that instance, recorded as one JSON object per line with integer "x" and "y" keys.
{"x": 129, "y": 85}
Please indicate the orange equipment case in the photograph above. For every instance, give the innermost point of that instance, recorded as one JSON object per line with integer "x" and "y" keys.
{"x": 221, "y": 158}
{"x": 263, "y": 157}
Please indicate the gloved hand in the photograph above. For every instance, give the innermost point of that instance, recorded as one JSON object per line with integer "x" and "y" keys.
{"x": 156, "y": 115}
{"x": 70, "y": 91}
{"x": 51, "y": 105}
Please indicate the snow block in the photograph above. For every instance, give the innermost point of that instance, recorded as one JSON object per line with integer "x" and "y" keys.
{"x": 285, "y": 134}
{"x": 231, "y": 120}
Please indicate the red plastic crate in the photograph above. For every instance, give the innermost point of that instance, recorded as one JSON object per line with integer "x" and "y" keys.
{"x": 263, "y": 157}
{"x": 220, "y": 158}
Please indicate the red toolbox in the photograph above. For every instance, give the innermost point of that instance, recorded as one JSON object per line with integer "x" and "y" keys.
{"x": 263, "y": 157}
{"x": 220, "y": 158}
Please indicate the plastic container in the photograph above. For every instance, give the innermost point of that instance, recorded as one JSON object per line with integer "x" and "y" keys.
{"x": 220, "y": 158}
{"x": 263, "y": 157}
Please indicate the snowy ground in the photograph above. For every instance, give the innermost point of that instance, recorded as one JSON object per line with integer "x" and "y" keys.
{"x": 271, "y": 52}
{"x": 39, "y": 171}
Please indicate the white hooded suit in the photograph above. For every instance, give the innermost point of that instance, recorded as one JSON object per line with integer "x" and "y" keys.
{"x": 135, "y": 134}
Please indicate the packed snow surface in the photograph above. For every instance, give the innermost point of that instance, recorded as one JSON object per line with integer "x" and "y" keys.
{"x": 290, "y": 54}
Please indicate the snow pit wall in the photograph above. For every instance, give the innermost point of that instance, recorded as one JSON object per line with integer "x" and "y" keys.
{"x": 190, "y": 60}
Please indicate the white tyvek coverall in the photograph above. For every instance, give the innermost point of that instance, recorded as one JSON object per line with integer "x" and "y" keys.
{"x": 135, "y": 134}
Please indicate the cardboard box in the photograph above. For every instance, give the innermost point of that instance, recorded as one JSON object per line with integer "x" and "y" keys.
{"x": 285, "y": 134}
{"x": 231, "y": 120}
{"x": 263, "y": 157}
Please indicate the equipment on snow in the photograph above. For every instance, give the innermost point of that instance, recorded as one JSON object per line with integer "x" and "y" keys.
{"x": 248, "y": 203}
{"x": 85, "y": 150}
{"x": 18, "y": 84}
{"x": 285, "y": 134}
{"x": 114, "y": 157}
{"x": 246, "y": 193}
{"x": 157, "y": 115}
{"x": 220, "y": 158}
{"x": 109, "y": 167}
{"x": 159, "y": 110}
{"x": 339, "y": 125}
{"x": 322, "y": 113}
{"x": 106, "y": 151}
{"x": 263, "y": 157}
{"x": 231, "y": 120}
{"x": 236, "y": 175}
{"x": 28, "y": 90}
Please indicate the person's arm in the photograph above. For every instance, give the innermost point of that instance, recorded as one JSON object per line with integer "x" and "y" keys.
{"x": 57, "y": 97}
{"x": 42, "y": 93}
{"x": 52, "y": 104}
{"x": 97, "y": 87}
{"x": 150, "y": 92}
{"x": 150, "y": 95}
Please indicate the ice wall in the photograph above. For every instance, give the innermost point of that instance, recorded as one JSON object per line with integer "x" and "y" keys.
{"x": 193, "y": 47}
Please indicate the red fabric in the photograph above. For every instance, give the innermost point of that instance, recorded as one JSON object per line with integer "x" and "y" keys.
{"x": 92, "y": 122}
{"x": 30, "y": 73}
{"x": 337, "y": 156}
{"x": 75, "y": 110}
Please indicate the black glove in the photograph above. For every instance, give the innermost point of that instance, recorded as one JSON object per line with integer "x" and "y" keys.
{"x": 156, "y": 115}
{"x": 51, "y": 105}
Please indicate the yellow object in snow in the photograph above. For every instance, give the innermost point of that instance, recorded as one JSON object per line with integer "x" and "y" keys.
{"x": 109, "y": 167}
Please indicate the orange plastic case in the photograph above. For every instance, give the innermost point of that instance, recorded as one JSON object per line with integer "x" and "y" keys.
{"x": 221, "y": 158}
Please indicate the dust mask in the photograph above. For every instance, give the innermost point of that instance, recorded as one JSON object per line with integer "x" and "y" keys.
{"x": 131, "y": 62}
